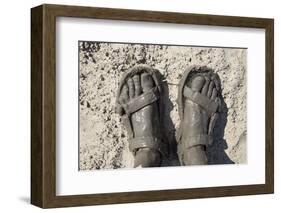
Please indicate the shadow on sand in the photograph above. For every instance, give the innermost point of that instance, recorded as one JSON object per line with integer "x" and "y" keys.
{"x": 169, "y": 130}
{"x": 216, "y": 153}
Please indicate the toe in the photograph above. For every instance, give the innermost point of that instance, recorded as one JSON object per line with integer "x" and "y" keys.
{"x": 197, "y": 83}
{"x": 206, "y": 86}
{"x": 214, "y": 94}
{"x": 124, "y": 96}
{"x": 216, "y": 81}
{"x": 146, "y": 82}
{"x": 137, "y": 85}
{"x": 210, "y": 90}
{"x": 131, "y": 87}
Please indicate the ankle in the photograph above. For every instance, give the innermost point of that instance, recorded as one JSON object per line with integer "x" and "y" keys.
{"x": 146, "y": 157}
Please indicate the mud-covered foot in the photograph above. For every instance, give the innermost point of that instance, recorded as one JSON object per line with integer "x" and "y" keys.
{"x": 144, "y": 124}
{"x": 200, "y": 105}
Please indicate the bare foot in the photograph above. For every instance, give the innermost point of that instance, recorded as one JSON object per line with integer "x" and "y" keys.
{"x": 145, "y": 122}
{"x": 198, "y": 119}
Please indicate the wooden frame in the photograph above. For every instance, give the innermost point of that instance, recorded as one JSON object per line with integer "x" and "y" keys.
{"x": 43, "y": 105}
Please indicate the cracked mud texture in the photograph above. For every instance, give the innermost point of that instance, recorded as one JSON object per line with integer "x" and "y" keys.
{"x": 103, "y": 137}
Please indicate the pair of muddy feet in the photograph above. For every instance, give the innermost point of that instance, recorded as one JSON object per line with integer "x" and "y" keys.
{"x": 139, "y": 102}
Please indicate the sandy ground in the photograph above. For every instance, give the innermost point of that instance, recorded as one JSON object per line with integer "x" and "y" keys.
{"x": 103, "y": 138}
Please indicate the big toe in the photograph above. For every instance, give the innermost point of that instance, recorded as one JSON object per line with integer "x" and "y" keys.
{"x": 197, "y": 83}
{"x": 146, "y": 82}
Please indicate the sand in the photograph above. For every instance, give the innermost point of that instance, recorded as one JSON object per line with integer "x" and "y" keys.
{"x": 103, "y": 138}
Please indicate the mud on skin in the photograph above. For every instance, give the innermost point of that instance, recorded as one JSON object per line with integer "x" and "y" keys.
{"x": 145, "y": 122}
{"x": 103, "y": 138}
{"x": 197, "y": 121}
